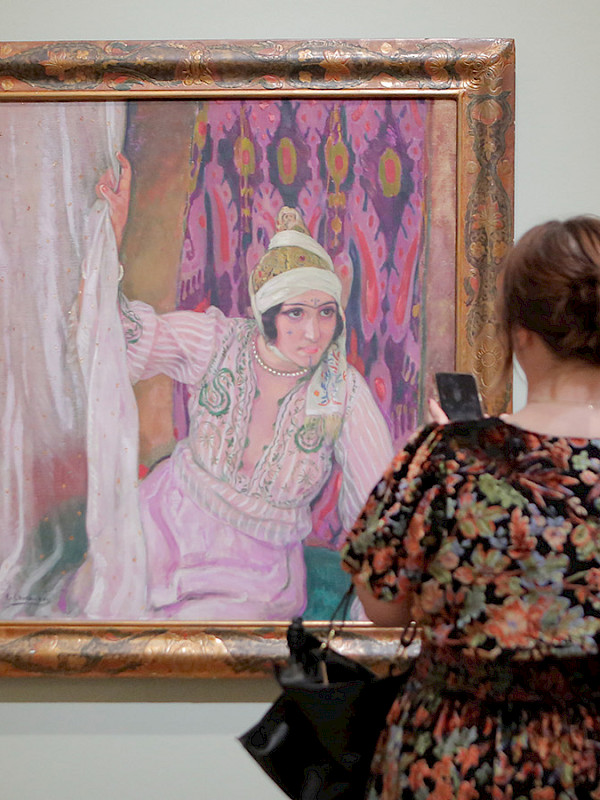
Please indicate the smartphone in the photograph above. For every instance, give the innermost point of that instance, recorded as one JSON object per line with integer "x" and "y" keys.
{"x": 458, "y": 395}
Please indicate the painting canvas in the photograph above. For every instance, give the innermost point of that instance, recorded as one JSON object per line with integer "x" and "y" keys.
{"x": 168, "y": 456}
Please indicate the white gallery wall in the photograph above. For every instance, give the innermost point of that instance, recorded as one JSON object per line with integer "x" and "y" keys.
{"x": 135, "y": 739}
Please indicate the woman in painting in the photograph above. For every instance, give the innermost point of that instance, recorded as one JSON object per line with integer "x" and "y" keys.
{"x": 487, "y": 534}
{"x": 272, "y": 404}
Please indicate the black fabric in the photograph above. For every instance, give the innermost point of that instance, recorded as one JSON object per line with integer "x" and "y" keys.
{"x": 317, "y": 740}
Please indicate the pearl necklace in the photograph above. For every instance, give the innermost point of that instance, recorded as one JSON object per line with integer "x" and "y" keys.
{"x": 278, "y": 372}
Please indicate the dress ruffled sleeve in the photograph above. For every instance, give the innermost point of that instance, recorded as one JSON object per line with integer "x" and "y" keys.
{"x": 389, "y": 543}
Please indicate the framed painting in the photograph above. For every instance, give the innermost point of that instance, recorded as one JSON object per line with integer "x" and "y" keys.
{"x": 230, "y": 271}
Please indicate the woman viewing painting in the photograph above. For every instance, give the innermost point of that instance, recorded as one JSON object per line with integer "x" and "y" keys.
{"x": 486, "y": 533}
{"x": 272, "y": 403}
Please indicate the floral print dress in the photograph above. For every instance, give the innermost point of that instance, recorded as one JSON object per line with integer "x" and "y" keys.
{"x": 493, "y": 532}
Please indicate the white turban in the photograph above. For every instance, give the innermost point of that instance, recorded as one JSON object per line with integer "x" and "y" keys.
{"x": 285, "y": 285}
{"x": 327, "y": 390}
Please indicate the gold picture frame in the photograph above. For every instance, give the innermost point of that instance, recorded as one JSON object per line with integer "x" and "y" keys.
{"x": 477, "y": 77}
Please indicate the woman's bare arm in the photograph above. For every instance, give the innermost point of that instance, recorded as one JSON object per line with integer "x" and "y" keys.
{"x": 381, "y": 612}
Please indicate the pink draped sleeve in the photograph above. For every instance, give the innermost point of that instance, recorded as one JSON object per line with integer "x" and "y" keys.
{"x": 178, "y": 344}
{"x": 363, "y": 449}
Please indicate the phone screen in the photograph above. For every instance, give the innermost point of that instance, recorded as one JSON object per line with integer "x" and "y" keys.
{"x": 458, "y": 395}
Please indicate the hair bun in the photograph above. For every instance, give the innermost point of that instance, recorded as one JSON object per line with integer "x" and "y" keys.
{"x": 551, "y": 286}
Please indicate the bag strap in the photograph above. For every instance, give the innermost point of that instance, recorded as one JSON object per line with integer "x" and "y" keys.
{"x": 339, "y": 616}
{"x": 409, "y": 634}
{"x": 340, "y": 612}
{"x": 336, "y": 623}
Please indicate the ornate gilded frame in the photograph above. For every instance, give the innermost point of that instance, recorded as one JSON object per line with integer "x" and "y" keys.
{"x": 479, "y": 76}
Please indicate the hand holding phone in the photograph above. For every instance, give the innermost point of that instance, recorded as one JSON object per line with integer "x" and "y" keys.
{"x": 458, "y": 395}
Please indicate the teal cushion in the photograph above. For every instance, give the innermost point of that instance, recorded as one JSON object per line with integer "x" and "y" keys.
{"x": 326, "y": 582}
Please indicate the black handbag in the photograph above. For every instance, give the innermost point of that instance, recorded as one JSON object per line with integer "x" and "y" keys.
{"x": 317, "y": 740}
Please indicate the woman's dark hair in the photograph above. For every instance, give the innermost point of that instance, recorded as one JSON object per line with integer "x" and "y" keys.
{"x": 550, "y": 284}
{"x": 270, "y": 329}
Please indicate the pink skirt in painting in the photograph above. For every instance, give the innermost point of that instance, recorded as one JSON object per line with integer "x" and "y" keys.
{"x": 202, "y": 567}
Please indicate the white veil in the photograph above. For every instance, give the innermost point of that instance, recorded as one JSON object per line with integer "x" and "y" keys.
{"x": 64, "y": 411}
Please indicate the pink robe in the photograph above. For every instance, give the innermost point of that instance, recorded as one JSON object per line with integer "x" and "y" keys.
{"x": 222, "y": 544}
